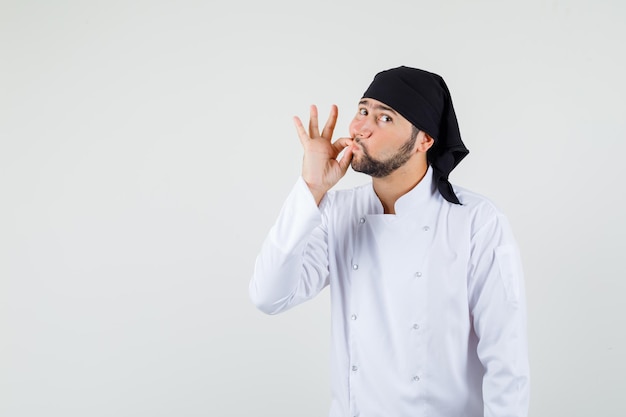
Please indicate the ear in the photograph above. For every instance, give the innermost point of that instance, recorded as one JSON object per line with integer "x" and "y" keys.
{"x": 424, "y": 142}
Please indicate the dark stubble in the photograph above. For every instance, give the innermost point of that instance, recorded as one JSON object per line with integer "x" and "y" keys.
{"x": 377, "y": 168}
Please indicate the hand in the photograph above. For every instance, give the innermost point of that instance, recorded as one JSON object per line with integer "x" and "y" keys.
{"x": 320, "y": 168}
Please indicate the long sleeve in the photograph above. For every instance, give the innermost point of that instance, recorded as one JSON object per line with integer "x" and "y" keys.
{"x": 292, "y": 265}
{"x": 498, "y": 308}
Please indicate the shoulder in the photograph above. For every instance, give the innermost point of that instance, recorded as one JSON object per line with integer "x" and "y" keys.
{"x": 480, "y": 209}
{"x": 475, "y": 201}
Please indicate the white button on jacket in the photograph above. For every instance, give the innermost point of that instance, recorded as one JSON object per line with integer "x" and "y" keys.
{"x": 468, "y": 355}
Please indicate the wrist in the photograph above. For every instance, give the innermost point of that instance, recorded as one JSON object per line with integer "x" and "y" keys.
{"x": 317, "y": 192}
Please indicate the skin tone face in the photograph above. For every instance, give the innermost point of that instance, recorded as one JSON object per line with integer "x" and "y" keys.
{"x": 384, "y": 140}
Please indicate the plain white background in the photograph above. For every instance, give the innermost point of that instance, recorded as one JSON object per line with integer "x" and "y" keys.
{"x": 147, "y": 146}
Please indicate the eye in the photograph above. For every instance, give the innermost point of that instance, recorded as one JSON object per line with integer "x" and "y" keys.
{"x": 363, "y": 111}
{"x": 385, "y": 118}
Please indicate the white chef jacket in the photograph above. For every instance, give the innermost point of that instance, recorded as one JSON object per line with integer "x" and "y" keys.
{"x": 428, "y": 305}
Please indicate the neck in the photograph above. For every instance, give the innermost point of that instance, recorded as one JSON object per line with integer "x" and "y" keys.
{"x": 390, "y": 188}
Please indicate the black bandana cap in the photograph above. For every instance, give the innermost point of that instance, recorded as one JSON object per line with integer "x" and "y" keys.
{"x": 423, "y": 99}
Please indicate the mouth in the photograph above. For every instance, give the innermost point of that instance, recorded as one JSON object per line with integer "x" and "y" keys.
{"x": 357, "y": 145}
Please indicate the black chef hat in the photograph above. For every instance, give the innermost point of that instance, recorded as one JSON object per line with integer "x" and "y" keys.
{"x": 423, "y": 99}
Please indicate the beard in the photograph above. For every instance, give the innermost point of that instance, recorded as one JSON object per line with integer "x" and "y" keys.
{"x": 381, "y": 168}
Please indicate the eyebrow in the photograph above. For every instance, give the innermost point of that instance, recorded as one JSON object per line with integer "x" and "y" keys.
{"x": 377, "y": 106}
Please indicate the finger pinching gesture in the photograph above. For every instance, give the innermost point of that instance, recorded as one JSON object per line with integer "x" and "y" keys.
{"x": 320, "y": 168}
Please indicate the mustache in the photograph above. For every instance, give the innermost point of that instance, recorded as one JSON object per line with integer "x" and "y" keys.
{"x": 360, "y": 144}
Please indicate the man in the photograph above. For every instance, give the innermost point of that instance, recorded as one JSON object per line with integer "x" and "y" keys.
{"x": 427, "y": 292}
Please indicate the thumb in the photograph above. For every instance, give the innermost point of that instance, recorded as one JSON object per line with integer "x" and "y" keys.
{"x": 345, "y": 160}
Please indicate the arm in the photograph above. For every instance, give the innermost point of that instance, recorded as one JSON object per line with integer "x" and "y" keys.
{"x": 498, "y": 308}
{"x": 293, "y": 263}
{"x": 292, "y": 266}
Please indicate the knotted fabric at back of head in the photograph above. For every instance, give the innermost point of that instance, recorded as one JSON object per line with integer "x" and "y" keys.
{"x": 423, "y": 99}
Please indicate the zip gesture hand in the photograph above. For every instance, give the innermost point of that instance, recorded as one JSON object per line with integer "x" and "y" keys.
{"x": 320, "y": 168}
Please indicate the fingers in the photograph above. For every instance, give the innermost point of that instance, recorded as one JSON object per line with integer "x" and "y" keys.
{"x": 314, "y": 130}
{"x": 342, "y": 143}
{"x": 329, "y": 127}
{"x": 345, "y": 145}
{"x": 345, "y": 160}
{"x": 300, "y": 129}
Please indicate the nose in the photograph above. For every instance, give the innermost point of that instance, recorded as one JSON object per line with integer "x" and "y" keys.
{"x": 360, "y": 128}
